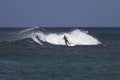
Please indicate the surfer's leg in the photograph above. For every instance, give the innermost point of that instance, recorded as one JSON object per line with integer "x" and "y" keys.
{"x": 66, "y": 43}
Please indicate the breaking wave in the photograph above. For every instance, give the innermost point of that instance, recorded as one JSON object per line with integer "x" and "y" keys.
{"x": 75, "y": 37}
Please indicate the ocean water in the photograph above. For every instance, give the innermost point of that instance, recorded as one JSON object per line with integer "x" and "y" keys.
{"x": 41, "y": 54}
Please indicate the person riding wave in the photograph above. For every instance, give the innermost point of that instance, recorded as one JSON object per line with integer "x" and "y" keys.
{"x": 66, "y": 40}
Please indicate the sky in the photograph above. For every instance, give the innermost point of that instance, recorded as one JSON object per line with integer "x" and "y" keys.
{"x": 61, "y": 13}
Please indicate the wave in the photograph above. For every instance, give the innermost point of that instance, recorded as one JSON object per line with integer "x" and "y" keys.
{"x": 75, "y": 37}
{"x": 29, "y": 29}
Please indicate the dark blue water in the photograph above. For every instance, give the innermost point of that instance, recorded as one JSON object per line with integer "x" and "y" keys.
{"x": 22, "y": 60}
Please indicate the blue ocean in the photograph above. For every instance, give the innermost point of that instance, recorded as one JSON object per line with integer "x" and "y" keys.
{"x": 40, "y": 53}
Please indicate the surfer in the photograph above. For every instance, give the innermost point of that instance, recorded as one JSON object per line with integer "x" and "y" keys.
{"x": 66, "y": 40}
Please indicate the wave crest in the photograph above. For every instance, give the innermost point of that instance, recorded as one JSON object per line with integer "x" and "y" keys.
{"x": 75, "y": 37}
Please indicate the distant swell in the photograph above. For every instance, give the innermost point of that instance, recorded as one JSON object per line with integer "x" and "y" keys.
{"x": 75, "y": 37}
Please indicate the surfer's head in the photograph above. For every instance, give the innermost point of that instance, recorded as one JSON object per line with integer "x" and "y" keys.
{"x": 64, "y": 35}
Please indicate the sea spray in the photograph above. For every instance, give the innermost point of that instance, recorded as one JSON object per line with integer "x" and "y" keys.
{"x": 75, "y": 37}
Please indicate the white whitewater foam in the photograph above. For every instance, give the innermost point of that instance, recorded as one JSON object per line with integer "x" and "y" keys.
{"x": 75, "y": 37}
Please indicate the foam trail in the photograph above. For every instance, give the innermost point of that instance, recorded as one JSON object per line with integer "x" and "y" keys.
{"x": 35, "y": 38}
{"x": 76, "y": 37}
{"x": 29, "y": 29}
